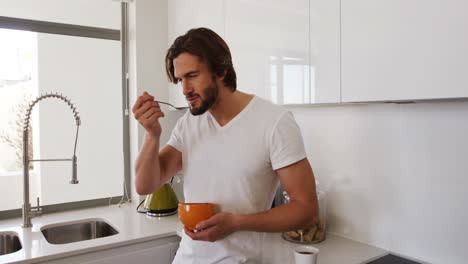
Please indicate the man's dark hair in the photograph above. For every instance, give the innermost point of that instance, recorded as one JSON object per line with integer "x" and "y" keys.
{"x": 210, "y": 48}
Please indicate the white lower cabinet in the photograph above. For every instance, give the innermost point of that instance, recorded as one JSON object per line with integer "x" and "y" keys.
{"x": 160, "y": 251}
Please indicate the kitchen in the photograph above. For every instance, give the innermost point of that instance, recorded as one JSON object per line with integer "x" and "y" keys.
{"x": 393, "y": 171}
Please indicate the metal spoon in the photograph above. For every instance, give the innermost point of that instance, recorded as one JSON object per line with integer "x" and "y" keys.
{"x": 178, "y": 108}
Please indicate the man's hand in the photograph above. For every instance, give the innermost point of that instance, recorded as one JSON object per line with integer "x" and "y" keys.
{"x": 148, "y": 112}
{"x": 215, "y": 228}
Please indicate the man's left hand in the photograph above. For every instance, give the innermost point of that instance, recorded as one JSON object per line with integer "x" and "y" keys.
{"x": 215, "y": 228}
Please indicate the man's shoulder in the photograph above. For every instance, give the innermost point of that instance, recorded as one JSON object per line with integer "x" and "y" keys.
{"x": 268, "y": 108}
{"x": 261, "y": 102}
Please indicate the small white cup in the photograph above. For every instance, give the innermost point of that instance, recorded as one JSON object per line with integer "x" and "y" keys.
{"x": 306, "y": 255}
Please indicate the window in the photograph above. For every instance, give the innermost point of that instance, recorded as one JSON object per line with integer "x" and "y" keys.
{"x": 18, "y": 84}
{"x": 84, "y": 63}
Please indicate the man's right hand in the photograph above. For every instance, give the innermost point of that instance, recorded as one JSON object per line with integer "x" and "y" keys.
{"x": 148, "y": 112}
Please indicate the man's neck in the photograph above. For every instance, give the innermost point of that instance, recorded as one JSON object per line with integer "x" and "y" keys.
{"x": 229, "y": 105}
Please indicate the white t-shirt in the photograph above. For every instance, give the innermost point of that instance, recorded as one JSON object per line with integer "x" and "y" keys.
{"x": 234, "y": 166}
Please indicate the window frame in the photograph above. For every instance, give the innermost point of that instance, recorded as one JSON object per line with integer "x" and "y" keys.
{"x": 97, "y": 33}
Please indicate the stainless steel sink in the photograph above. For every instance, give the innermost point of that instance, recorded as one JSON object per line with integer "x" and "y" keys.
{"x": 9, "y": 243}
{"x": 77, "y": 231}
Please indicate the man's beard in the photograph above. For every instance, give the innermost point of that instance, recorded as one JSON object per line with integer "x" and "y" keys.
{"x": 210, "y": 96}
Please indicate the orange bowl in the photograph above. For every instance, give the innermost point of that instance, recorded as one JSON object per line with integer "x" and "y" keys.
{"x": 190, "y": 214}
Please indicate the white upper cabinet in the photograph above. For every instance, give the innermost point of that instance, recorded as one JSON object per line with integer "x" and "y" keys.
{"x": 331, "y": 51}
{"x": 187, "y": 14}
{"x": 403, "y": 50}
{"x": 184, "y": 15}
{"x": 269, "y": 43}
{"x": 324, "y": 51}
{"x": 287, "y": 52}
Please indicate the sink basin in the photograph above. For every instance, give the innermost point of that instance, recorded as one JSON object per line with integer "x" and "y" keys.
{"x": 77, "y": 231}
{"x": 9, "y": 243}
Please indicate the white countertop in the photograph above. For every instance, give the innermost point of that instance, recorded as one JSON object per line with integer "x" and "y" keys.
{"x": 333, "y": 250}
{"x": 134, "y": 227}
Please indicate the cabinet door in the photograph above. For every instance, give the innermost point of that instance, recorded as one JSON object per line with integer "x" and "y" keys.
{"x": 325, "y": 51}
{"x": 187, "y": 14}
{"x": 174, "y": 246}
{"x": 159, "y": 251}
{"x": 269, "y": 42}
{"x": 160, "y": 255}
{"x": 400, "y": 49}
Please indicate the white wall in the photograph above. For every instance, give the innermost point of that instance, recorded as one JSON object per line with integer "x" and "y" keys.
{"x": 397, "y": 174}
{"x": 94, "y": 13}
{"x": 148, "y": 45}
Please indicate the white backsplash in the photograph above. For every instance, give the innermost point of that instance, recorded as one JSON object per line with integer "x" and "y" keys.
{"x": 396, "y": 172}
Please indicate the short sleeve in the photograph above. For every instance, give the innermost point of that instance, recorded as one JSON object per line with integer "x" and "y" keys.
{"x": 286, "y": 144}
{"x": 176, "y": 139}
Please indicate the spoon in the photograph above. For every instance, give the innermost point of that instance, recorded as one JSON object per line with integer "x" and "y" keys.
{"x": 177, "y": 108}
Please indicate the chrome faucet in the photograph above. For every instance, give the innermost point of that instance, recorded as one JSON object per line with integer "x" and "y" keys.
{"x": 28, "y": 211}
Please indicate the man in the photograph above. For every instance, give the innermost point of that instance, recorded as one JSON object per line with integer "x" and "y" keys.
{"x": 232, "y": 149}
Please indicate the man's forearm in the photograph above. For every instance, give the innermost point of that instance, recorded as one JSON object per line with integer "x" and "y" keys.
{"x": 287, "y": 217}
{"x": 148, "y": 171}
